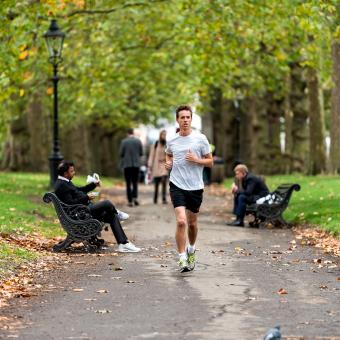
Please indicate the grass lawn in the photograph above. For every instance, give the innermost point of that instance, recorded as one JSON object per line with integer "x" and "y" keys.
{"x": 22, "y": 211}
{"x": 317, "y": 203}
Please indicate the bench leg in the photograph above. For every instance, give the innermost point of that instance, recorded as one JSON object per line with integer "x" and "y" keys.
{"x": 280, "y": 221}
{"x": 63, "y": 244}
{"x": 91, "y": 246}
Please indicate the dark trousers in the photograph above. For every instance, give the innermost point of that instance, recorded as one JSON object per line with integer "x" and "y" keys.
{"x": 240, "y": 203}
{"x": 157, "y": 181}
{"x": 106, "y": 212}
{"x": 131, "y": 179}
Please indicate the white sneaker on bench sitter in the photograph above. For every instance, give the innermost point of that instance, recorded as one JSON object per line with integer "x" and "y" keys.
{"x": 128, "y": 248}
{"x": 122, "y": 215}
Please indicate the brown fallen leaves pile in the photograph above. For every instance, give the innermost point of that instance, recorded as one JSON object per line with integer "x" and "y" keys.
{"x": 21, "y": 280}
{"x": 318, "y": 238}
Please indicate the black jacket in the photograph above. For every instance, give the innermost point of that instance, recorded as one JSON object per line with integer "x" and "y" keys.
{"x": 68, "y": 193}
{"x": 254, "y": 187}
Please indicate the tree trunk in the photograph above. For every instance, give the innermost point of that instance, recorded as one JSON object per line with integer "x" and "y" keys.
{"x": 250, "y": 128}
{"x": 38, "y": 128}
{"x": 297, "y": 151}
{"x": 317, "y": 149}
{"x": 335, "y": 108}
{"x": 273, "y": 157}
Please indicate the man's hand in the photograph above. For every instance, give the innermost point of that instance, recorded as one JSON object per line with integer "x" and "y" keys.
{"x": 190, "y": 157}
{"x": 168, "y": 165}
{"x": 234, "y": 188}
{"x": 91, "y": 196}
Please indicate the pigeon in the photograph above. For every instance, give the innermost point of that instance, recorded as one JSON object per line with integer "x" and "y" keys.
{"x": 273, "y": 334}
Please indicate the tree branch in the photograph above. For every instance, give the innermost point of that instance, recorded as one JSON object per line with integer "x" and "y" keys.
{"x": 111, "y": 10}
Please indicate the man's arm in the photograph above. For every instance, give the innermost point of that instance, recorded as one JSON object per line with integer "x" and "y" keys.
{"x": 206, "y": 161}
{"x": 168, "y": 161}
{"x": 87, "y": 188}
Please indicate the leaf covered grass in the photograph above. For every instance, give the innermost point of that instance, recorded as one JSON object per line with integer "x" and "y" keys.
{"x": 12, "y": 256}
{"x": 317, "y": 203}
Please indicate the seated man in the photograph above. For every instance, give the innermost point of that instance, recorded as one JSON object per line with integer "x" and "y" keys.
{"x": 103, "y": 211}
{"x": 251, "y": 189}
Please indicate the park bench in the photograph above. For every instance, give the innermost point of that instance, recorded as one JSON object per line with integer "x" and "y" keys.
{"x": 78, "y": 223}
{"x": 271, "y": 211}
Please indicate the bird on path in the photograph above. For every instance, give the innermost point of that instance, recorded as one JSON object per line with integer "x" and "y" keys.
{"x": 273, "y": 334}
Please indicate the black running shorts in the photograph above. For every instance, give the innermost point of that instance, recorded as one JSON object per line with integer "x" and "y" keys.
{"x": 190, "y": 199}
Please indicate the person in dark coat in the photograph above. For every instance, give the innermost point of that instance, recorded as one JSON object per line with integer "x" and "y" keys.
{"x": 103, "y": 211}
{"x": 131, "y": 149}
{"x": 250, "y": 189}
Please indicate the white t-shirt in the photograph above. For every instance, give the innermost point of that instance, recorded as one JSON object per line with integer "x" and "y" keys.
{"x": 184, "y": 174}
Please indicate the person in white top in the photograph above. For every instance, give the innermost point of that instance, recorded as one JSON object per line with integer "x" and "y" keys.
{"x": 186, "y": 155}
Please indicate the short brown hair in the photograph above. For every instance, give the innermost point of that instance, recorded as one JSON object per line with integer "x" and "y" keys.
{"x": 242, "y": 168}
{"x": 183, "y": 108}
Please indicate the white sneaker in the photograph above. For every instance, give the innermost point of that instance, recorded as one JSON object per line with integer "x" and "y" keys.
{"x": 128, "y": 248}
{"x": 122, "y": 216}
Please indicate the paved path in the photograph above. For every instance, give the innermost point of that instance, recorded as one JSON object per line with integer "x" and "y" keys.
{"x": 231, "y": 295}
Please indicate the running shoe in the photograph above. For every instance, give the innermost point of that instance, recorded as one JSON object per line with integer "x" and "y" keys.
{"x": 183, "y": 266}
{"x": 122, "y": 216}
{"x": 191, "y": 260}
{"x": 128, "y": 248}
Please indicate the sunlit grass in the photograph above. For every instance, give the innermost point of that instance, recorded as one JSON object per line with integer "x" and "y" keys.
{"x": 317, "y": 203}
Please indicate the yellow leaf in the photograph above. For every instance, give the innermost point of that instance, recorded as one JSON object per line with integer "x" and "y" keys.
{"x": 21, "y": 92}
{"x": 49, "y": 91}
{"x": 23, "y": 55}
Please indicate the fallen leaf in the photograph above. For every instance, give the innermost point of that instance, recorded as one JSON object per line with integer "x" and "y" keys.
{"x": 118, "y": 268}
{"x": 94, "y": 275}
{"x": 90, "y": 299}
{"x": 282, "y": 291}
{"x": 78, "y": 289}
{"x": 101, "y": 291}
{"x": 103, "y": 311}
{"x": 130, "y": 281}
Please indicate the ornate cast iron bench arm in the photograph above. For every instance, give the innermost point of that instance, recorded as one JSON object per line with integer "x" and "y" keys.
{"x": 76, "y": 220}
{"x": 272, "y": 213}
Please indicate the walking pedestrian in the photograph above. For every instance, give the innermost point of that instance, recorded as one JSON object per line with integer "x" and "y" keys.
{"x": 156, "y": 166}
{"x": 186, "y": 155}
{"x": 131, "y": 150}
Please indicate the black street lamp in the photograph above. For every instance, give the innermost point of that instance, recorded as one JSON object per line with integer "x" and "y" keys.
{"x": 54, "y": 39}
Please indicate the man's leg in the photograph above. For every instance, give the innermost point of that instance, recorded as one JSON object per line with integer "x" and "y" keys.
{"x": 105, "y": 211}
{"x": 181, "y": 223}
{"x": 192, "y": 227}
{"x": 241, "y": 207}
{"x": 128, "y": 181}
{"x": 192, "y": 235}
{"x": 134, "y": 179}
{"x": 235, "y": 203}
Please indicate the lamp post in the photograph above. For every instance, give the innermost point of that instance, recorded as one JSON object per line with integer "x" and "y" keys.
{"x": 54, "y": 40}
